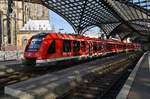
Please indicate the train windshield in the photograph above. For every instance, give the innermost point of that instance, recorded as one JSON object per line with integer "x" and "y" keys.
{"x": 35, "y": 44}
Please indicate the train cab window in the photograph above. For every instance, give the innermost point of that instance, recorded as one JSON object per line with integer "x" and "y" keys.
{"x": 66, "y": 46}
{"x": 52, "y": 48}
{"x": 34, "y": 44}
{"x": 83, "y": 45}
{"x": 76, "y": 46}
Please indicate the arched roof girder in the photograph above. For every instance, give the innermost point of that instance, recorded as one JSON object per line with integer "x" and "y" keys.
{"x": 146, "y": 11}
{"x": 126, "y": 36}
{"x": 106, "y": 28}
{"x": 82, "y": 13}
{"x": 60, "y": 14}
{"x": 120, "y": 29}
{"x": 121, "y": 13}
{"x": 133, "y": 37}
{"x": 90, "y": 27}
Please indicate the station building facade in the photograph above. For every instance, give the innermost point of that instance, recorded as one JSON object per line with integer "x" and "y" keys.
{"x": 22, "y": 12}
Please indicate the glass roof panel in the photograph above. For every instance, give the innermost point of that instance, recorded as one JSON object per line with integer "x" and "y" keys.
{"x": 145, "y": 4}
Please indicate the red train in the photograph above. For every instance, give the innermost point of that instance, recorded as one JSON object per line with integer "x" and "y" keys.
{"x": 52, "y": 48}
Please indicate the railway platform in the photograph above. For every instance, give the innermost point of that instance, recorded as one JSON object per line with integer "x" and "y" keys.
{"x": 138, "y": 84}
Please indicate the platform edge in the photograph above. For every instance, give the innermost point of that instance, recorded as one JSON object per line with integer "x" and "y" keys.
{"x": 127, "y": 86}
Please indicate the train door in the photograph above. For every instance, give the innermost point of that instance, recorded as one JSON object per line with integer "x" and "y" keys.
{"x": 104, "y": 49}
{"x": 66, "y": 48}
{"x": 90, "y": 48}
{"x": 76, "y": 48}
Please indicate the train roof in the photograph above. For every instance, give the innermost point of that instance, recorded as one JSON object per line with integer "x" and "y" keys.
{"x": 67, "y": 36}
{"x": 112, "y": 41}
{"x": 76, "y": 37}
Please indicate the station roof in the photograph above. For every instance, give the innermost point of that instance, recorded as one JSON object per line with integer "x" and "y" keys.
{"x": 127, "y": 18}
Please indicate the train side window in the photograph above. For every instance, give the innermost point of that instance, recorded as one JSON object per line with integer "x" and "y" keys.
{"x": 107, "y": 46}
{"x": 117, "y": 46}
{"x": 110, "y": 46}
{"x": 95, "y": 46}
{"x": 99, "y": 46}
{"x": 83, "y": 45}
{"x": 66, "y": 46}
{"x": 52, "y": 48}
{"x": 76, "y": 46}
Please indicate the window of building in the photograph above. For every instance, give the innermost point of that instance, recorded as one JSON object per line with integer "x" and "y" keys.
{"x": 24, "y": 40}
{"x": 52, "y": 48}
{"x": 76, "y": 46}
{"x": 66, "y": 46}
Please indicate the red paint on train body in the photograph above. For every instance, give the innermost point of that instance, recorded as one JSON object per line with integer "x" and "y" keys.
{"x": 54, "y": 47}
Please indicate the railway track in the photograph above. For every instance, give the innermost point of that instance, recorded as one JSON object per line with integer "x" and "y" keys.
{"x": 15, "y": 72}
{"x": 10, "y": 76}
{"x": 101, "y": 85}
{"x": 114, "y": 90}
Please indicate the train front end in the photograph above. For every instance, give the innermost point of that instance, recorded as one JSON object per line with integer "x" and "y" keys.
{"x": 32, "y": 50}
